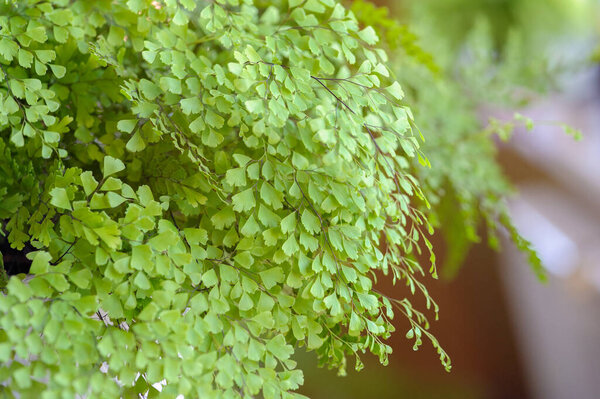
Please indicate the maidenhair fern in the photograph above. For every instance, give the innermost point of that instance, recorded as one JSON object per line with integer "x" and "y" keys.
{"x": 206, "y": 186}
{"x": 465, "y": 185}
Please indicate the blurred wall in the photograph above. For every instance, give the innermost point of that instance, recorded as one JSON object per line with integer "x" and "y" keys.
{"x": 558, "y": 209}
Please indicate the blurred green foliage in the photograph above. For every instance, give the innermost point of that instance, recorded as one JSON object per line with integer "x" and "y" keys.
{"x": 461, "y": 57}
{"x": 452, "y": 21}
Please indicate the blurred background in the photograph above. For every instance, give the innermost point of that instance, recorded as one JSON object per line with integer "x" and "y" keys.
{"x": 509, "y": 336}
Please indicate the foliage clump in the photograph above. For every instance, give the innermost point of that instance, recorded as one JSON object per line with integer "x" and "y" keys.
{"x": 207, "y": 186}
{"x": 465, "y": 185}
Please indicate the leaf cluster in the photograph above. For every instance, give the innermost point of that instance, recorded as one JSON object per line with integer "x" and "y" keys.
{"x": 207, "y": 186}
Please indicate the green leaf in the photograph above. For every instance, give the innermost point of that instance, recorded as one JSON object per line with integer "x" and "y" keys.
{"x": 112, "y": 166}
{"x": 180, "y": 18}
{"x": 191, "y": 105}
{"x": 210, "y": 278}
{"x": 41, "y": 263}
{"x": 290, "y": 246}
{"x": 38, "y": 33}
{"x": 317, "y": 289}
{"x": 88, "y": 182}
{"x": 245, "y": 302}
{"x": 114, "y": 199}
{"x": 58, "y": 70}
{"x": 8, "y": 49}
{"x": 196, "y": 236}
{"x": 136, "y": 143}
{"x": 255, "y": 106}
{"x": 141, "y": 255}
{"x": 279, "y": 348}
{"x": 268, "y": 217}
{"x": 272, "y": 277}
{"x": 57, "y": 280}
{"x": 251, "y": 54}
{"x": 127, "y": 125}
{"x": 299, "y": 161}
{"x": 310, "y": 222}
{"x": 60, "y": 198}
{"x": 61, "y": 34}
{"x": 190, "y": 5}
{"x": 197, "y": 125}
{"x": 250, "y": 228}
{"x": 142, "y": 281}
{"x": 271, "y": 196}
{"x": 109, "y": 233}
{"x": 150, "y": 90}
{"x": 10, "y": 105}
{"x": 213, "y": 119}
{"x": 396, "y": 91}
{"x": 236, "y": 177}
{"x": 244, "y": 201}
{"x": 45, "y": 56}
{"x": 81, "y": 278}
{"x": 25, "y": 58}
{"x": 149, "y": 312}
{"x": 244, "y": 258}
{"x": 355, "y": 325}
{"x": 171, "y": 84}
{"x": 368, "y": 35}
{"x": 241, "y": 159}
{"x": 112, "y": 306}
{"x": 314, "y": 6}
{"x": 288, "y": 223}
{"x": 224, "y": 218}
